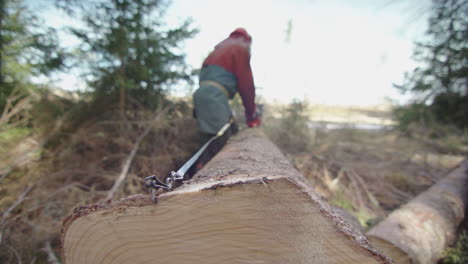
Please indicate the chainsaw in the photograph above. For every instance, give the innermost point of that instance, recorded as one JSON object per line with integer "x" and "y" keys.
{"x": 157, "y": 186}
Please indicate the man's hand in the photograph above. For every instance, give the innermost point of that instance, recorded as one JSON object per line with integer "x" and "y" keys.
{"x": 254, "y": 122}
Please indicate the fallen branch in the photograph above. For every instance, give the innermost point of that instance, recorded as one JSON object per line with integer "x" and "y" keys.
{"x": 51, "y": 258}
{"x": 369, "y": 194}
{"x": 401, "y": 194}
{"x": 17, "y": 255}
{"x": 421, "y": 230}
{"x": 128, "y": 161}
{"x": 4, "y": 173}
{"x": 28, "y": 156}
{"x": 15, "y": 104}
{"x": 357, "y": 190}
{"x": 18, "y": 201}
{"x": 22, "y": 160}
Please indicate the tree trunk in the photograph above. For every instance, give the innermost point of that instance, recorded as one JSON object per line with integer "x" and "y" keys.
{"x": 2, "y": 21}
{"x": 122, "y": 90}
{"x": 248, "y": 205}
{"x": 419, "y": 231}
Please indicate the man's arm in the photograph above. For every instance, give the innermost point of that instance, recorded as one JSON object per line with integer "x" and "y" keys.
{"x": 245, "y": 83}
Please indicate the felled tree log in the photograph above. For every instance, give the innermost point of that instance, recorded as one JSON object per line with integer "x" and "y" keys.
{"x": 419, "y": 231}
{"x": 248, "y": 205}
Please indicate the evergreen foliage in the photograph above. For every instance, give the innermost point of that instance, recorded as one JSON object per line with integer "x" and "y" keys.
{"x": 127, "y": 49}
{"x": 27, "y": 49}
{"x": 440, "y": 83}
{"x": 458, "y": 254}
{"x": 292, "y": 133}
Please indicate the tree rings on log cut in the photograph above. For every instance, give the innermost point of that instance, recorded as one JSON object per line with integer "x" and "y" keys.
{"x": 242, "y": 223}
{"x": 247, "y": 205}
{"x": 421, "y": 230}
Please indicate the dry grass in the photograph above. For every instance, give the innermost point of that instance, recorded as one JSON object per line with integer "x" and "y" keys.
{"x": 82, "y": 170}
{"x": 367, "y": 172}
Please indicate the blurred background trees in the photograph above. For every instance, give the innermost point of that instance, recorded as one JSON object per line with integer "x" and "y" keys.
{"x": 28, "y": 50}
{"x": 130, "y": 60}
{"x": 126, "y": 48}
{"x": 439, "y": 85}
{"x": 63, "y": 141}
{"x": 292, "y": 132}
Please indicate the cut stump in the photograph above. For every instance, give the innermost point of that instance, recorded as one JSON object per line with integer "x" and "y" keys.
{"x": 248, "y": 205}
{"x": 422, "y": 229}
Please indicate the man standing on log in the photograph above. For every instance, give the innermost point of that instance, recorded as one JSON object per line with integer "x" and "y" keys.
{"x": 224, "y": 72}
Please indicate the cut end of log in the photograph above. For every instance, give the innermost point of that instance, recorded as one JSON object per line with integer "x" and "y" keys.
{"x": 421, "y": 230}
{"x": 271, "y": 222}
{"x": 391, "y": 250}
{"x": 248, "y": 205}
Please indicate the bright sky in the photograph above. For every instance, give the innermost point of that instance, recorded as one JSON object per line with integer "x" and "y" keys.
{"x": 346, "y": 52}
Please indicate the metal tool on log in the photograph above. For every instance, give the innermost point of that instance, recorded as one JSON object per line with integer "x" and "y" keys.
{"x": 155, "y": 185}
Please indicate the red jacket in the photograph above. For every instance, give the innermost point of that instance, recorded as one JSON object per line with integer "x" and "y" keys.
{"x": 233, "y": 54}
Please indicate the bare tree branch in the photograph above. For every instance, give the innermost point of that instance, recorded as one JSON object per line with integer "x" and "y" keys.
{"x": 128, "y": 161}
{"x": 18, "y": 201}
{"x": 17, "y": 255}
{"x": 51, "y": 258}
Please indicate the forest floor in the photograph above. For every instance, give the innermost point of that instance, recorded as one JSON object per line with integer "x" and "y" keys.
{"x": 355, "y": 159}
{"x": 359, "y": 161}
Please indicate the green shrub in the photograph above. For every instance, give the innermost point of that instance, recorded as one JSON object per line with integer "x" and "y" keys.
{"x": 409, "y": 116}
{"x": 459, "y": 253}
{"x": 448, "y": 110}
{"x": 14, "y": 134}
{"x": 291, "y": 131}
{"x": 340, "y": 200}
{"x": 444, "y": 129}
{"x": 451, "y": 109}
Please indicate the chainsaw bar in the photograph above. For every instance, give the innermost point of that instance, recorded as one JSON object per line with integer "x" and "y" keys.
{"x": 155, "y": 185}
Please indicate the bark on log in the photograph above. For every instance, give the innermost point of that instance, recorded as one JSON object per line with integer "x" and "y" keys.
{"x": 419, "y": 231}
{"x": 248, "y": 205}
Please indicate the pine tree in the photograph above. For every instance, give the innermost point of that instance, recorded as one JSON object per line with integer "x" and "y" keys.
{"x": 27, "y": 49}
{"x": 440, "y": 83}
{"x": 128, "y": 50}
